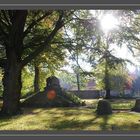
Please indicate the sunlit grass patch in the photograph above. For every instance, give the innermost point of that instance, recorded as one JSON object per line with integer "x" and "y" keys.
{"x": 70, "y": 119}
{"x": 115, "y": 103}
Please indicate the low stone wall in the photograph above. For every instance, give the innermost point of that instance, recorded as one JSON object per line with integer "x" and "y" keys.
{"x": 95, "y": 94}
{"x": 87, "y": 94}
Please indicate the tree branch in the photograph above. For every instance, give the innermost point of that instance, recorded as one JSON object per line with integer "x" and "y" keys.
{"x": 3, "y": 22}
{"x": 3, "y": 62}
{"x": 59, "y": 24}
{"x": 28, "y": 29}
{"x": 5, "y": 16}
{"x": 3, "y": 32}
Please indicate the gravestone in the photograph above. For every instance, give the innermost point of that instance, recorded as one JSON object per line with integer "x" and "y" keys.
{"x": 137, "y": 106}
{"x": 104, "y": 108}
{"x": 52, "y": 83}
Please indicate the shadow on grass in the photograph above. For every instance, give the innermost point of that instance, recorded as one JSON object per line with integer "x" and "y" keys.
{"x": 4, "y": 120}
{"x": 126, "y": 126}
{"x": 104, "y": 125}
{"x": 67, "y": 119}
{"x": 72, "y": 124}
{"x": 121, "y": 100}
{"x": 83, "y": 124}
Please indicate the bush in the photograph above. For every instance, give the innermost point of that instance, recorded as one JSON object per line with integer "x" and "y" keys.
{"x": 72, "y": 97}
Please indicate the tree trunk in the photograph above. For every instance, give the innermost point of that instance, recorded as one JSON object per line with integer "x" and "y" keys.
{"x": 12, "y": 69}
{"x": 12, "y": 90}
{"x": 108, "y": 96}
{"x": 107, "y": 87}
{"x": 78, "y": 81}
{"x": 36, "y": 79}
{"x": 107, "y": 82}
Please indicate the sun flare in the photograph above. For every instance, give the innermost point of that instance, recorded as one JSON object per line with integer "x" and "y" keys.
{"x": 108, "y": 22}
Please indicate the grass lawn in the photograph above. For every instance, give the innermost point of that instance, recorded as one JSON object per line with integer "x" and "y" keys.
{"x": 76, "y": 118}
{"x": 115, "y": 103}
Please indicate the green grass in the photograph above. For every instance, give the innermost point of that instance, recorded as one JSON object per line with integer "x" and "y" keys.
{"x": 76, "y": 118}
{"x": 122, "y": 104}
{"x": 70, "y": 119}
{"x": 115, "y": 103}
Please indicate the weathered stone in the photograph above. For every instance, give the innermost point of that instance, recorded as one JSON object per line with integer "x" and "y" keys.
{"x": 137, "y": 106}
{"x": 41, "y": 100}
{"x": 62, "y": 99}
{"x": 104, "y": 108}
{"x": 52, "y": 83}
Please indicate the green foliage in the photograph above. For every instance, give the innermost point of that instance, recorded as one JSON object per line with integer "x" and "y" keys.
{"x": 117, "y": 77}
{"x": 69, "y": 79}
{"x": 77, "y": 36}
{"x": 48, "y": 63}
{"x": 105, "y": 63}
{"x": 27, "y": 80}
{"x": 52, "y": 58}
{"x": 129, "y": 31}
{"x": 72, "y": 97}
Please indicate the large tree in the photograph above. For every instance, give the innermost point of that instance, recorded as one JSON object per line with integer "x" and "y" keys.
{"x": 101, "y": 54}
{"x": 47, "y": 62}
{"x": 15, "y": 27}
{"x": 78, "y": 39}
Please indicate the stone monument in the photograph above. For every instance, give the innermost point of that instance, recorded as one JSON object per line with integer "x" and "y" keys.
{"x": 52, "y": 96}
{"x": 137, "y": 106}
{"x": 52, "y": 83}
{"x": 104, "y": 107}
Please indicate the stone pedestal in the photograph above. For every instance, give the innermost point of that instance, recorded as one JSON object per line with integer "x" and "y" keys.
{"x": 52, "y": 83}
{"x": 104, "y": 108}
{"x": 52, "y": 96}
{"x": 137, "y": 106}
